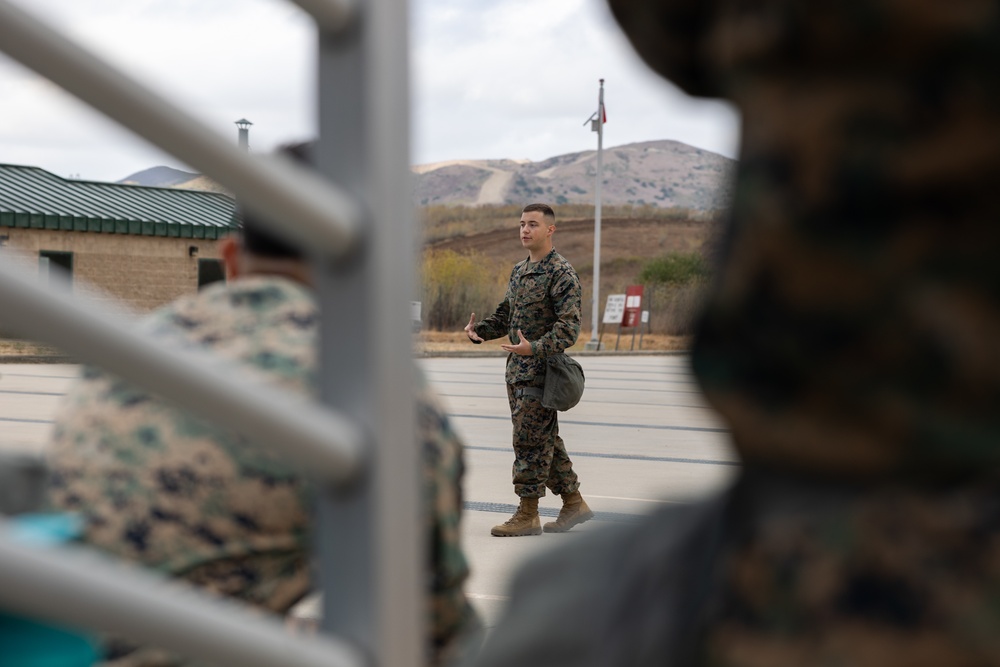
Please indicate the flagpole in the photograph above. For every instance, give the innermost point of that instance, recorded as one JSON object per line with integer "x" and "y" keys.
{"x": 597, "y": 126}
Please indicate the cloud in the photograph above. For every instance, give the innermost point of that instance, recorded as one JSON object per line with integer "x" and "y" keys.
{"x": 220, "y": 60}
{"x": 519, "y": 79}
{"x": 505, "y": 78}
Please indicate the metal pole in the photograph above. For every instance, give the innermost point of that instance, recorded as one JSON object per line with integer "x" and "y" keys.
{"x": 594, "y": 343}
{"x": 330, "y": 15}
{"x": 370, "y": 550}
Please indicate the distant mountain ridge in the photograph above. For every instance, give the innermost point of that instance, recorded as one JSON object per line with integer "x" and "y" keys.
{"x": 159, "y": 177}
{"x": 664, "y": 174}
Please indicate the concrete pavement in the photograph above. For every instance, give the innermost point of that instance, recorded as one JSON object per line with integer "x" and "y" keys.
{"x": 642, "y": 436}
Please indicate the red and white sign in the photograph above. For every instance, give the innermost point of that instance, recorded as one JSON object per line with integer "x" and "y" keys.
{"x": 633, "y": 306}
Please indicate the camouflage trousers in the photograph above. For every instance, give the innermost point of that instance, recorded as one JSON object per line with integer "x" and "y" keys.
{"x": 540, "y": 458}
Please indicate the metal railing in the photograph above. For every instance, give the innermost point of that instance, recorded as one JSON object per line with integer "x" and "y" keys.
{"x": 82, "y": 589}
{"x": 360, "y": 447}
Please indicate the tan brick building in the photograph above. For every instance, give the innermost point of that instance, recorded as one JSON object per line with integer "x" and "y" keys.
{"x": 144, "y": 246}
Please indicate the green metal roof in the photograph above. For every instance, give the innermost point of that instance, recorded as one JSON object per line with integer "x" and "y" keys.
{"x": 36, "y": 199}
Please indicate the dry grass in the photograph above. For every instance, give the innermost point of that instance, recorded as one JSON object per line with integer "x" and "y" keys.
{"x": 14, "y": 347}
{"x": 443, "y": 223}
{"x": 430, "y": 342}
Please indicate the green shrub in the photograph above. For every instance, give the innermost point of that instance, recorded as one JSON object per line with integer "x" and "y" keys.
{"x": 674, "y": 269}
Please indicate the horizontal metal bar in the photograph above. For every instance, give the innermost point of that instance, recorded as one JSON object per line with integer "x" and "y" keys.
{"x": 298, "y": 204}
{"x": 78, "y": 588}
{"x": 327, "y": 445}
{"x": 330, "y": 15}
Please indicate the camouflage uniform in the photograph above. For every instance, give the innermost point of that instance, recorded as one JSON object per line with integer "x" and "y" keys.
{"x": 543, "y": 301}
{"x": 851, "y": 344}
{"x": 176, "y": 494}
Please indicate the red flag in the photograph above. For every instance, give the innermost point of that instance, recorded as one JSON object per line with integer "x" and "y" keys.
{"x": 604, "y": 114}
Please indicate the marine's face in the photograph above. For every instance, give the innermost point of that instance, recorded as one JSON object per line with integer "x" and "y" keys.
{"x": 535, "y": 231}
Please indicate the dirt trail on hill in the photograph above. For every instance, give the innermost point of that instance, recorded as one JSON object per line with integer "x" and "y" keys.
{"x": 493, "y": 189}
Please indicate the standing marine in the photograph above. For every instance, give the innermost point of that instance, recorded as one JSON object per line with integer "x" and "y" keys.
{"x": 540, "y": 315}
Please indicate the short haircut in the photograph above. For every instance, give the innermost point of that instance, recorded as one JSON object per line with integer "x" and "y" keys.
{"x": 544, "y": 208}
{"x": 257, "y": 237}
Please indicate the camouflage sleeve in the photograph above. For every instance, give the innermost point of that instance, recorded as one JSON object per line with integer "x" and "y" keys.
{"x": 497, "y": 325}
{"x": 566, "y": 295}
{"x": 450, "y": 614}
{"x": 670, "y": 36}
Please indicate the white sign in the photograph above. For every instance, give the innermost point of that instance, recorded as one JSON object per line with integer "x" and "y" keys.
{"x": 415, "y": 323}
{"x": 614, "y": 309}
{"x": 645, "y": 317}
{"x": 633, "y": 301}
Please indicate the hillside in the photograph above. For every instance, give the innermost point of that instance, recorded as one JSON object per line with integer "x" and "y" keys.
{"x": 665, "y": 174}
{"x": 160, "y": 177}
{"x": 661, "y": 174}
{"x": 203, "y": 183}
{"x": 627, "y": 244}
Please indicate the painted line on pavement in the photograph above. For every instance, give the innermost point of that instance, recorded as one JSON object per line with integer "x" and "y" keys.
{"x": 701, "y": 429}
{"x": 585, "y": 401}
{"x": 507, "y": 508}
{"x": 687, "y": 387}
{"x": 481, "y": 596}
{"x": 629, "y": 457}
{"x": 637, "y": 500}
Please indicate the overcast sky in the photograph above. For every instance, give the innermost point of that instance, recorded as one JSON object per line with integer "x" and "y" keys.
{"x": 489, "y": 79}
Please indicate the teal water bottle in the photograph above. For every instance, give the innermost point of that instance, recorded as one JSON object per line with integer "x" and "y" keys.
{"x": 26, "y": 642}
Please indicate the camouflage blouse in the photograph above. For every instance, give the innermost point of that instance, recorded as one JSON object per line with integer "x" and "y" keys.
{"x": 179, "y": 495}
{"x": 543, "y": 301}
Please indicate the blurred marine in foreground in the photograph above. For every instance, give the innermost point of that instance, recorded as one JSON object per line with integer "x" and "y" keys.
{"x": 167, "y": 490}
{"x": 851, "y": 343}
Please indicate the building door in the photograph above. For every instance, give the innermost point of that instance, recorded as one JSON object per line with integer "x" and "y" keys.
{"x": 210, "y": 271}
{"x": 55, "y": 268}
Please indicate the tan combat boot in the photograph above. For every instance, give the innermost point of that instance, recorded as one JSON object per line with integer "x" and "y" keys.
{"x": 524, "y": 522}
{"x": 574, "y": 511}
